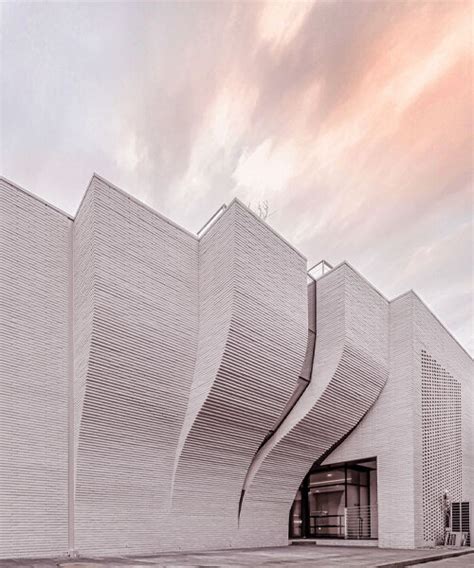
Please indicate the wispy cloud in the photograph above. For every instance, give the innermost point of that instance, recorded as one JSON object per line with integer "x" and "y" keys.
{"x": 353, "y": 119}
{"x": 279, "y": 21}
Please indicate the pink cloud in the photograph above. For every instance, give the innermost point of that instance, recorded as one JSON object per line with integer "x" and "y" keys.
{"x": 353, "y": 119}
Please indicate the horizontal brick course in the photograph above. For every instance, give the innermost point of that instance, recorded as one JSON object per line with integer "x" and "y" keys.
{"x": 142, "y": 367}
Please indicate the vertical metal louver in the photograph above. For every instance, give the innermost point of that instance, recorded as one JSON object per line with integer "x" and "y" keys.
{"x": 460, "y": 517}
{"x": 456, "y": 517}
{"x": 465, "y": 520}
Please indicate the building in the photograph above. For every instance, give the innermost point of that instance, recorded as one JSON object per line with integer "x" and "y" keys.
{"x": 166, "y": 391}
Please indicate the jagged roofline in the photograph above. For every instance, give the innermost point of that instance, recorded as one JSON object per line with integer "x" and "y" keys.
{"x": 96, "y": 177}
{"x": 36, "y": 197}
{"x": 99, "y": 178}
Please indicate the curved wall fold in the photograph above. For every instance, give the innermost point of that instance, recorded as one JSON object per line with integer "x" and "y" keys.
{"x": 148, "y": 377}
{"x": 349, "y": 372}
{"x": 252, "y": 339}
{"x": 136, "y": 318}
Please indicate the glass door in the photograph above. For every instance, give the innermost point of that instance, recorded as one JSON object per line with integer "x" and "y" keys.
{"x": 335, "y": 499}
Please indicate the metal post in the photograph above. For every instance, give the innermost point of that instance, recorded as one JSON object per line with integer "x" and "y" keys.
{"x": 305, "y": 528}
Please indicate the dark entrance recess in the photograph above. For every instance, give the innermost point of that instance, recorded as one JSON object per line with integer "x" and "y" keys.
{"x": 337, "y": 501}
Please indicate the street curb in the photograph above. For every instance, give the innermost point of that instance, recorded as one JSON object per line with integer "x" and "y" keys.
{"x": 426, "y": 559}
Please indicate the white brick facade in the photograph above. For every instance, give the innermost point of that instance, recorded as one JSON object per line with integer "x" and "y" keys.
{"x": 350, "y": 370}
{"x": 35, "y": 350}
{"x": 392, "y": 431}
{"x": 138, "y": 294}
{"x": 142, "y": 369}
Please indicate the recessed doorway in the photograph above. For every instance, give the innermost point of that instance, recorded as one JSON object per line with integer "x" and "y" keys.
{"x": 337, "y": 501}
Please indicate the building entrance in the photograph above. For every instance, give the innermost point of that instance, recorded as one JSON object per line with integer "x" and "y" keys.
{"x": 337, "y": 501}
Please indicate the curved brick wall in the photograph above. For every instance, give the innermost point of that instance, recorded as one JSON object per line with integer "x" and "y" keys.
{"x": 143, "y": 369}
{"x": 253, "y": 327}
{"x": 400, "y": 418}
{"x": 136, "y": 319}
{"x": 186, "y": 353}
{"x": 349, "y": 372}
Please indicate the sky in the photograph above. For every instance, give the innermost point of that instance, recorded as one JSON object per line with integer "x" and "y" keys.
{"x": 354, "y": 120}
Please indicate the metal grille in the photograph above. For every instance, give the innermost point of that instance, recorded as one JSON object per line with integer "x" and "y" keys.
{"x": 441, "y": 444}
{"x": 456, "y": 517}
{"x": 460, "y": 518}
{"x": 360, "y": 522}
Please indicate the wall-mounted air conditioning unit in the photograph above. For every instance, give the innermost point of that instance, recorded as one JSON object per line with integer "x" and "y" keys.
{"x": 459, "y": 531}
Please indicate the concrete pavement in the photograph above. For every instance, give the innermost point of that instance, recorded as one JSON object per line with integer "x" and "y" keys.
{"x": 290, "y": 556}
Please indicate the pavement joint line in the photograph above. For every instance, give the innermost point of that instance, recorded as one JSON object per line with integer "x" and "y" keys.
{"x": 268, "y": 556}
{"x": 425, "y": 559}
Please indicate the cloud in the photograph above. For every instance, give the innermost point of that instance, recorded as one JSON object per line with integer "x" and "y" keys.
{"x": 279, "y": 22}
{"x": 353, "y": 119}
{"x": 267, "y": 168}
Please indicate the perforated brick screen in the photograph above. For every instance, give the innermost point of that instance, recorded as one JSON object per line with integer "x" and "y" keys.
{"x": 441, "y": 443}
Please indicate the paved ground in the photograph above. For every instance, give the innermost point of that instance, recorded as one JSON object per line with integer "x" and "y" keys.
{"x": 291, "y": 556}
{"x": 459, "y": 562}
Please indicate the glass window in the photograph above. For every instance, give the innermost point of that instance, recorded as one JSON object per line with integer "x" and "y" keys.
{"x": 328, "y": 493}
{"x": 326, "y": 477}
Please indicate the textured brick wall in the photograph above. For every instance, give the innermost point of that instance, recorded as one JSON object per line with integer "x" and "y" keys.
{"x": 136, "y": 323}
{"x": 392, "y": 429}
{"x": 387, "y": 433}
{"x": 350, "y": 370}
{"x": 251, "y": 346}
{"x": 143, "y": 367}
{"x": 186, "y": 352}
{"x": 441, "y": 444}
{"x": 454, "y": 371}
{"x": 34, "y": 338}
